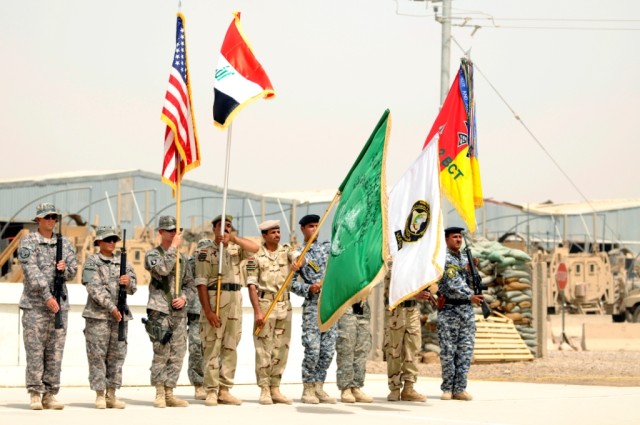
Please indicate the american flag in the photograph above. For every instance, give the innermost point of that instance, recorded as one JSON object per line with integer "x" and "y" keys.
{"x": 180, "y": 138}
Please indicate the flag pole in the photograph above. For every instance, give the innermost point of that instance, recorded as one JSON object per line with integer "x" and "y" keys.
{"x": 223, "y": 218}
{"x": 178, "y": 179}
{"x": 302, "y": 254}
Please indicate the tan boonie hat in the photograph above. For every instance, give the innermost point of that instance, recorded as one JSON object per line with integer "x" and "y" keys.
{"x": 228, "y": 217}
{"x": 45, "y": 209}
{"x": 103, "y": 232}
{"x": 166, "y": 222}
{"x": 268, "y": 225}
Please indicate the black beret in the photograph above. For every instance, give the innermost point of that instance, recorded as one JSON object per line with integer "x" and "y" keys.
{"x": 453, "y": 230}
{"x": 309, "y": 218}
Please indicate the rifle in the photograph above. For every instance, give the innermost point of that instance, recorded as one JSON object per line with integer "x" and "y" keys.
{"x": 58, "y": 280}
{"x": 122, "y": 290}
{"x": 476, "y": 280}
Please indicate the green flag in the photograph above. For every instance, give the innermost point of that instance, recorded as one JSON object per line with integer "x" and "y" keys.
{"x": 358, "y": 236}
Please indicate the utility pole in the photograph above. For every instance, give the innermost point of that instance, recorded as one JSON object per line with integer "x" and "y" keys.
{"x": 445, "y": 55}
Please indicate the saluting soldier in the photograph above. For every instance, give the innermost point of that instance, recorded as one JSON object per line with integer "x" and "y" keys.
{"x": 105, "y": 353}
{"x": 319, "y": 347}
{"x": 402, "y": 344}
{"x": 167, "y": 321}
{"x": 456, "y": 320}
{"x": 44, "y": 345}
{"x": 266, "y": 273}
{"x": 221, "y": 332}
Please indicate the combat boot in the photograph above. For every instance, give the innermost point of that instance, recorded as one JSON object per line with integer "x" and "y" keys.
{"x": 347, "y": 396}
{"x": 410, "y": 394}
{"x": 309, "y": 394}
{"x": 360, "y": 396}
{"x": 173, "y": 401}
{"x": 265, "y": 396}
{"x": 200, "y": 393}
{"x": 446, "y": 396}
{"x": 394, "y": 395}
{"x": 36, "y": 401}
{"x": 101, "y": 403}
{"x": 225, "y": 397}
{"x": 49, "y": 402}
{"x": 114, "y": 402}
{"x": 211, "y": 399}
{"x": 159, "y": 401}
{"x": 278, "y": 397}
{"x": 462, "y": 396}
{"x": 323, "y": 397}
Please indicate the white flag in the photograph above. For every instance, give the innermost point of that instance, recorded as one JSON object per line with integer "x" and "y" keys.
{"x": 416, "y": 234}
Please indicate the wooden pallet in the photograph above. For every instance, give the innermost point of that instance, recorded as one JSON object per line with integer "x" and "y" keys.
{"x": 497, "y": 340}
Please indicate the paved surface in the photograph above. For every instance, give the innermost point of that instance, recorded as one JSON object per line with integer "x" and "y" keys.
{"x": 496, "y": 403}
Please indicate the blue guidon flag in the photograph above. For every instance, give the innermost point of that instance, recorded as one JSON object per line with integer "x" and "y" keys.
{"x": 239, "y": 77}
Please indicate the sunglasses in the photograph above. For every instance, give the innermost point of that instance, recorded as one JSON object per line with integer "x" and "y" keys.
{"x": 173, "y": 230}
{"x": 110, "y": 239}
{"x": 50, "y": 217}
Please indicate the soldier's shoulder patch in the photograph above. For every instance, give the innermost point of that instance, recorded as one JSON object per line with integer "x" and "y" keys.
{"x": 24, "y": 253}
{"x": 451, "y": 271}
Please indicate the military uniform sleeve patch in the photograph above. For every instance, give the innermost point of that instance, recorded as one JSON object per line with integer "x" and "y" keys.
{"x": 23, "y": 254}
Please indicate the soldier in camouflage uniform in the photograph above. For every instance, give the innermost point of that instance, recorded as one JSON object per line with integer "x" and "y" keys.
{"x": 352, "y": 349}
{"x": 194, "y": 365}
{"x": 318, "y": 346}
{"x": 43, "y": 343}
{"x": 402, "y": 340}
{"x": 105, "y": 353}
{"x": 167, "y": 321}
{"x": 456, "y": 319}
{"x": 221, "y": 332}
{"x": 266, "y": 273}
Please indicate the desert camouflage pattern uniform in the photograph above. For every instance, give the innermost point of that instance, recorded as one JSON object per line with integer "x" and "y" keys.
{"x": 194, "y": 365}
{"x": 168, "y": 358}
{"x": 456, "y": 325}
{"x": 220, "y": 344}
{"x": 353, "y": 345}
{"x": 267, "y": 271}
{"x": 44, "y": 345}
{"x": 402, "y": 338}
{"x": 318, "y": 346}
{"x": 105, "y": 354}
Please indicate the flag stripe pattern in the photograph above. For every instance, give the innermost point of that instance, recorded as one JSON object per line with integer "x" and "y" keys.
{"x": 239, "y": 77}
{"x": 415, "y": 233}
{"x": 180, "y": 138}
{"x": 454, "y": 132}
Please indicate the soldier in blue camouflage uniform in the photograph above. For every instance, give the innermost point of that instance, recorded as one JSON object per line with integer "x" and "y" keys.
{"x": 105, "y": 353}
{"x": 194, "y": 369}
{"x": 44, "y": 345}
{"x": 167, "y": 311}
{"x": 352, "y": 349}
{"x": 456, "y": 319}
{"x": 318, "y": 346}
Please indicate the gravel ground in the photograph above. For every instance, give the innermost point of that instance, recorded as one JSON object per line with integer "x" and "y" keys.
{"x": 609, "y": 368}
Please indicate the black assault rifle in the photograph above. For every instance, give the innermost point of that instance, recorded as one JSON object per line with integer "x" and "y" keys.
{"x": 476, "y": 280}
{"x": 122, "y": 290}
{"x": 58, "y": 280}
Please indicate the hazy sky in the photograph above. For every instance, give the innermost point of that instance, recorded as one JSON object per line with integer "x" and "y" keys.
{"x": 83, "y": 84}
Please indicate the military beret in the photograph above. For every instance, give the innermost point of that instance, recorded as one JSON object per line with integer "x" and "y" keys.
{"x": 308, "y": 219}
{"x": 218, "y": 219}
{"x": 453, "y": 231}
{"x": 44, "y": 209}
{"x": 268, "y": 225}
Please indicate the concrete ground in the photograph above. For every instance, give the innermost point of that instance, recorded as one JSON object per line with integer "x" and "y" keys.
{"x": 494, "y": 403}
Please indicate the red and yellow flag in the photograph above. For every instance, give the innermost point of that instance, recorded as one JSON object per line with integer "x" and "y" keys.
{"x": 454, "y": 131}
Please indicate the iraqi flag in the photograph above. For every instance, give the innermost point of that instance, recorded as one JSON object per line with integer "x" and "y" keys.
{"x": 239, "y": 77}
{"x": 415, "y": 233}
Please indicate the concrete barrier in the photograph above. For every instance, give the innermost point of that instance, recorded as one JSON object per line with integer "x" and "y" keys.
{"x": 611, "y": 336}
